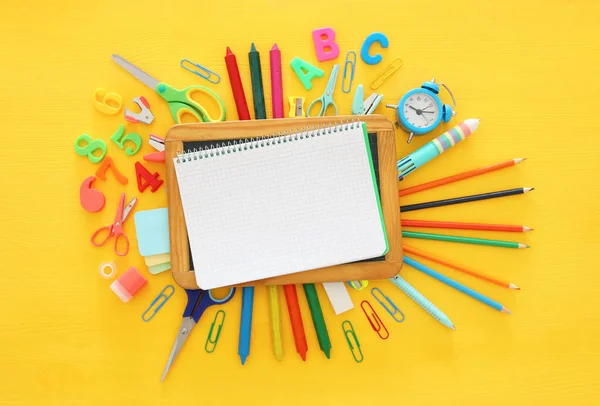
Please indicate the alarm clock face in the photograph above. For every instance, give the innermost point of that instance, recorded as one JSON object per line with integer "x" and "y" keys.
{"x": 420, "y": 111}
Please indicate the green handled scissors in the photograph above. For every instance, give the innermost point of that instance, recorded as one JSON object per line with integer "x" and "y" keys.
{"x": 180, "y": 101}
{"x": 326, "y": 99}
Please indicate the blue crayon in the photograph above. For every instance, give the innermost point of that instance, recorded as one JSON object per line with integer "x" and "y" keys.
{"x": 246, "y": 323}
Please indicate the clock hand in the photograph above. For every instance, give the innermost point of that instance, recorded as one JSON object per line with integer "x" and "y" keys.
{"x": 413, "y": 108}
{"x": 425, "y": 111}
{"x": 426, "y": 120}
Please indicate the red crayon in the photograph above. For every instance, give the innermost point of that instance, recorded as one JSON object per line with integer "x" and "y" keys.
{"x": 291, "y": 298}
{"x": 236, "y": 86}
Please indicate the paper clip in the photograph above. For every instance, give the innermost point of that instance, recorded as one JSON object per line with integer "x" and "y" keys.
{"x": 356, "y": 347}
{"x": 387, "y": 72}
{"x": 161, "y": 295}
{"x": 352, "y": 62}
{"x": 209, "y": 338}
{"x": 207, "y": 74}
{"x": 382, "y": 302}
{"x": 375, "y": 321}
{"x": 358, "y": 285}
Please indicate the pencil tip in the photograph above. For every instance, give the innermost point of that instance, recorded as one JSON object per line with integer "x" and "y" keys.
{"x": 452, "y": 327}
{"x": 274, "y": 48}
{"x": 528, "y": 189}
{"x": 521, "y": 245}
{"x": 515, "y": 287}
{"x": 505, "y": 310}
{"x": 243, "y": 359}
{"x": 252, "y": 48}
{"x": 519, "y": 160}
{"x": 303, "y": 356}
{"x": 228, "y": 52}
{"x": 327, "y": 353}
{"x": 525, "y": 228}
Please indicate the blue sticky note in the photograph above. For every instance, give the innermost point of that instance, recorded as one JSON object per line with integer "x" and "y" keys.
{"x": 152, "y": 230}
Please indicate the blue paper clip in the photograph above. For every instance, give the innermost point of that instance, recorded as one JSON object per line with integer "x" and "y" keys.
{"x": 352, "y": 62}
{"x": 207, "y": 74}
{"x": 382, "y": 302}
{"x": 161, "y": 295}
{"x": 358, "y": 285}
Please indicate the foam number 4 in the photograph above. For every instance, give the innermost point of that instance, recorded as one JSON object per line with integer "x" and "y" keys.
{"x": 89, "y": 147}
{"x": 110, "y": 164}
{"x": 119, "y": 139}
{"x": 142, "y": 174}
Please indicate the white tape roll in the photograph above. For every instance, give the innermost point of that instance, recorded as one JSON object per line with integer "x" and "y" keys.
{"x": 107, "y": 269}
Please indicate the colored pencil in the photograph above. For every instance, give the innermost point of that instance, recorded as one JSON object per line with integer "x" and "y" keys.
{"x": 236, "y": 86}
{"x": 458, "y": 286}
{"x": 465, "y": 226}
{"x": 465, "y": 199}
{"x": 422, "y": 301}
{"x": 459, "y": 176}
{"x": 430, "y": 257}
{"x": 276, "y": 82}
{"x": 291, "y": 298}
{"x": 258, "y": 92}
{"x": 463, "y": 240}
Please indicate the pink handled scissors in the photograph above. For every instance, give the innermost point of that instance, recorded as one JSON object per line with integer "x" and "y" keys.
{"x": 116, "y": 229}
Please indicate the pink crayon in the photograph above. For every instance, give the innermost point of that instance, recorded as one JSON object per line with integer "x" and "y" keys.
{"x": 276, "y": 82}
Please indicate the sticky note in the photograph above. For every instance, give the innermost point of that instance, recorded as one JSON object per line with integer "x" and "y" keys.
{"x": 157, "y": 259}
{"x": 159, "y": 268}
{"x": 152, "y": 230}
{"x": 338, "y": 296}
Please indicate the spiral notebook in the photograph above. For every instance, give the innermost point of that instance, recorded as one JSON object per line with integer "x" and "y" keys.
{"x": 278, "y": 205}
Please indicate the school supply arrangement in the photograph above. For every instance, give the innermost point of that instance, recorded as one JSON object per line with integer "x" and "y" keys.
{"x": 304, "y": 200}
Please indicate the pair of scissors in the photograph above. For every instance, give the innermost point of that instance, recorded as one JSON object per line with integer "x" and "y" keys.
{"x": 326, "y": 99}
{"x": 116, "y": 228}
{"x": 180, "y": 101}
{"x": 198, "y": 301}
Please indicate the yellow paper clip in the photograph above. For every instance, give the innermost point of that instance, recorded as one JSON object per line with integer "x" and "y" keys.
{"x": 209, "y": 339}
{"x": 162, "y": 295}
{"x": 354, "y": 349}
{"x": 375, "y": 320}
{"x": 393, "y": 311}
{"x": 387, "y": 72}
{"x": 358, "y": 285}
{"x": 203, "y": 72}
{"x": 296, "y": 107}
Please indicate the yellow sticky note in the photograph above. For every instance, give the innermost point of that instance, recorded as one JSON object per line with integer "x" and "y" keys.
{"x": 152, "y": 260}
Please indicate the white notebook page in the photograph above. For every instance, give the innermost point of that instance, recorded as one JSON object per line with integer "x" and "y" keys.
{"x": 281, "y": 208}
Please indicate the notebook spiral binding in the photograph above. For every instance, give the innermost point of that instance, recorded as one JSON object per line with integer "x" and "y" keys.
{"x": 266, "y": 140}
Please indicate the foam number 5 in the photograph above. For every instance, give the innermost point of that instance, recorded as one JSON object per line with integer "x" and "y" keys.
{"x": 89, "y": 148}
{"x": 119, "y": 139}
{"x": 143, "y": 174}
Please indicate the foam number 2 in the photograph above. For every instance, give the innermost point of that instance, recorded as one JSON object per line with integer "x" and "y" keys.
{"x": 119, "y": 139}
{"x": 89, "y": 148}
{"x": 142, "y": 174}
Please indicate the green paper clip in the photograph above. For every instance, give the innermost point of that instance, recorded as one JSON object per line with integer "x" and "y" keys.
{"x": 161, "y": 295}
{"x": 358, "y": 285}
{"x": 358, "y": 358}
{"x": 209, "y": 338}
{"x": 393, "y": 311}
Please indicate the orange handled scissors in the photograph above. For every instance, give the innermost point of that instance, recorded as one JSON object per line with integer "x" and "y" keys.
{"x": 116, "y": 229}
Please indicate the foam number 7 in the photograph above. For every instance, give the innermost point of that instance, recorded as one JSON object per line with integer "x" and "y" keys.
{"x": 90, "y": 147}
{"x": 143, "y": 174}
{"x": 119, "y": 139}
{"x": 110, "y": 164}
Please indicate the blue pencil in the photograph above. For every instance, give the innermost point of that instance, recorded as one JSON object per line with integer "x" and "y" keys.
{"x": 422, "y": 301}
{"x": 246, "y": 323}
{"x": 458, "y": 286}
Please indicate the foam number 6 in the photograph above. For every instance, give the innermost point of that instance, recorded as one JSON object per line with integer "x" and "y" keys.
{"x": 89, "y": 148}
{"x": 119, "y": 139}
{"x": 102, "y": 99}
{"x": 143, "y": 174}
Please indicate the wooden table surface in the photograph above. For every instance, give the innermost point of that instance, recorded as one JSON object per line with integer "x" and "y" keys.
{"x": 528, "y": 69}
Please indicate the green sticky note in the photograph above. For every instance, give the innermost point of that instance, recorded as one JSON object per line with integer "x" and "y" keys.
{"x": 154, "y": 269}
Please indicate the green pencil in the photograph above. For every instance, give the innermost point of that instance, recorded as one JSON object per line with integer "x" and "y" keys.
{"x": 464, "y": 240}
{"x": 258, "y": 93}
{"x": 317, "y": 316}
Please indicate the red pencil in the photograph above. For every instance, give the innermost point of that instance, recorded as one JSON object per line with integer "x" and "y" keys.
{"x": 465, "y": 226}
{"x": 236, "y": 86}
{"x": 291, "y": 299}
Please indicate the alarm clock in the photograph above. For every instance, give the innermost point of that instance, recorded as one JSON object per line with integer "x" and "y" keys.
{"x": 421, "y": 110}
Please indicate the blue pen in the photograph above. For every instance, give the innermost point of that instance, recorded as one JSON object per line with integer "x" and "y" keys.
{"x": 458, "y": 286}
{"x": 246, "y": 323}
{"x": 422, "y": 301}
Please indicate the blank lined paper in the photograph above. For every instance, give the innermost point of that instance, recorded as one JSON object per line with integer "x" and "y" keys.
{"x": 281, "y": 206}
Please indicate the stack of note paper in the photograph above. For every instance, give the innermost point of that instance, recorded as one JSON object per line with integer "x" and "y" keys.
{"x": 152, "y": 230}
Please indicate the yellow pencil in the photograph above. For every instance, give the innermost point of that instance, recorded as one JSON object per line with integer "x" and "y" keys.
{"x": 275, "y": 321}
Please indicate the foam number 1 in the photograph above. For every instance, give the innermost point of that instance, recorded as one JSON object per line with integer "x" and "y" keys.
{"x": 110, "y": 164}
{"x": 119, "y": 139}
{"x": 89, "y": 148}
{"x": 142, "y": 174}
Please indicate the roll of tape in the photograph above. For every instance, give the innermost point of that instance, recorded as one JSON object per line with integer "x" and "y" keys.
{"x": 110, "y": 266}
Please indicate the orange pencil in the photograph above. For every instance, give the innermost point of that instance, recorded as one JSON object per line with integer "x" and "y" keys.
{"x": 459, "y": 176}
{"x": 291, "y": 298}
{"x": 425, "y": 255}
{"x": 465, "y": 226}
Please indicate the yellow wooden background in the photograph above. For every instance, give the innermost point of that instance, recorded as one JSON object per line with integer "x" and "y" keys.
{"x": 529, "y": 69}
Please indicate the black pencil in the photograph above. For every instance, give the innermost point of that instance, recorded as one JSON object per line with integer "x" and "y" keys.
{"x": 465, "y": 199}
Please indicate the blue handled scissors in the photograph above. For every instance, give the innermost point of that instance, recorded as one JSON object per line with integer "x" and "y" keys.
{"x": 198, "y": 301}
{"x": 326, "y": 99}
